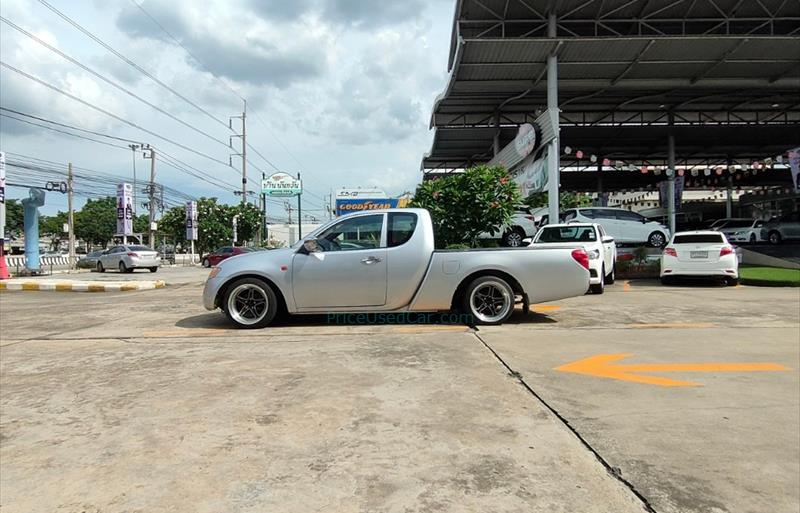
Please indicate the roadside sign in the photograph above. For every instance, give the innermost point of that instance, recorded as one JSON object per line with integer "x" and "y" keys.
{"x": 347, "y": 206}
{"x": 2, "y": 177}
{"x": 124, "y": 209}
{"x": 191, "y": 220}
{"x": 525, "y": 140}
{"x": 281, "y": 185}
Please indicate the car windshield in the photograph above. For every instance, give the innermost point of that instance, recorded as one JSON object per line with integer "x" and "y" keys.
{"x": 698, "y": 238}
{"x": 567, "y": 234}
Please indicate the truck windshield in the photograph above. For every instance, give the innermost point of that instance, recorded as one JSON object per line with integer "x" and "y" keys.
{"x": 567, "y": 234}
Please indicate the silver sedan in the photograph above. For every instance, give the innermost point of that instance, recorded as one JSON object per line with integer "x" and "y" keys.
{"x": 128, "y": 258}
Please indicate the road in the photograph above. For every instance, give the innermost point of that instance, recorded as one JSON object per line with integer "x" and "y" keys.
{"x": 142, "y": 401}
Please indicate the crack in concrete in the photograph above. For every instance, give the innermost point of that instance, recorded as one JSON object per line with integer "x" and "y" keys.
{"x": 612, "y": 471}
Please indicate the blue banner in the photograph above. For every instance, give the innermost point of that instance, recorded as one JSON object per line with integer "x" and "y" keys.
{"x": 348, "y": 206}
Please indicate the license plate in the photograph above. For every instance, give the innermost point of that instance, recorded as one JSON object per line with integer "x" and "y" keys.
{"x": 698, "y": 254}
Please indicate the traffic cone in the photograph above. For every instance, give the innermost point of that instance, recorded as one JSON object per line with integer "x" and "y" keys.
{"x": 3, "y": 267}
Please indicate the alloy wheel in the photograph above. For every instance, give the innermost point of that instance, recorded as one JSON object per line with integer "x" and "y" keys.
{"x": 491, "y": 301}
{"x": 247, "y": 304}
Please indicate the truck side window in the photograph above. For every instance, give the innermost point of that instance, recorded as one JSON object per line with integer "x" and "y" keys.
{"x": 401, "y": 228}
{"x": 362, "y": 232}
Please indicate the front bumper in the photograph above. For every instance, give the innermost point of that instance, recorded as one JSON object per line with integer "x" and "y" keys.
{"x": 210, "y": 290}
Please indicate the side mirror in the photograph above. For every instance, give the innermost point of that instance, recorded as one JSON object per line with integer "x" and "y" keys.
{"x": 645, "y": 220}
{"x": 311, "y": 246}
{"x": 608, "y": 239}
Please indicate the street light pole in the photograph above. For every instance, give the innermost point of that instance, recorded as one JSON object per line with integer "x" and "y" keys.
{"x": 133, "y": 148}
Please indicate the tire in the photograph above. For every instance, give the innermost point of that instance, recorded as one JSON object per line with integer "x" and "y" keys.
{"x": 656, "y": 240}
{"x": 774, "y": 237}
{"x": 122, "y": 267}
{"x": 250, "y": 303}
{"x": 612, "y": 276}
{"x": 513, "y": 237}
{"x": 206, "y": 263}
{"x": 153, "y": 269}
{"x": 731, "y": 282}
{"x": 489, "y": 300}
{"x": 599, "y": 288}
{"x": 753, "y": 238}
{"x": 100, "y": 267}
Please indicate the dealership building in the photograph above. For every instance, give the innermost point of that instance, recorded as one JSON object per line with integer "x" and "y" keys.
{"x": 625, "y": 97}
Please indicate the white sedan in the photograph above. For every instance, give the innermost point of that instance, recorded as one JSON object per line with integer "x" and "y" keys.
{"x": 601, "y": 249}
{"x": 701, "y": 254}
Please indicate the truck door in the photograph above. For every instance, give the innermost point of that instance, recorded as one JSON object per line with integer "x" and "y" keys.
{"x": 350, "y": 269}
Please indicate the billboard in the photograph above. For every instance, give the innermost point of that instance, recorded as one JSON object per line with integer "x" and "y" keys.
{"x": 348, "y": 206}
{"x": 281, "y": 185}
{"x": 662, "y": 192}
{"x": 359, "y": 192}
{"x": 124, "y": 209}
{"x": 794, "y": 167}
{"x": 191, "y": 220}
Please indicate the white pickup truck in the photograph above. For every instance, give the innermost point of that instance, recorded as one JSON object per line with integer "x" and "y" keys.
{"x": 385, "y": 261}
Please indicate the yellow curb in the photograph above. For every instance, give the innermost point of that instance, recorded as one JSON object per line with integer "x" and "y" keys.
{"x": 131, "y": 287}
{"x": 2, "y": 286}
{"x": 682, "y": 325}
{"x": 64, "y": 287}
{"x": 96, "y": 288}
{"x": 30, "y": 286}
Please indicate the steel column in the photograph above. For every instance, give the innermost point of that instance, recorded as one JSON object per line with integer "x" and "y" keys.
{"x": 671, "y": 174}
{"x": 554, "y": 152}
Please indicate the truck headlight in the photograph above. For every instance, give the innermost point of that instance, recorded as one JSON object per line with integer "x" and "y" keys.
{"x": 594, "y": 254}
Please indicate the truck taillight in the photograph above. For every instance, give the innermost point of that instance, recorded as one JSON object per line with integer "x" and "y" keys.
{"x": 726, "y": 250}
{"x": 671, "y": 252}
{"x": 134, "y": 255}
{"x": 581, "y": 257}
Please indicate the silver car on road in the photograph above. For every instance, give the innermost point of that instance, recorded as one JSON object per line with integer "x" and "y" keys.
{"x": 128, "y": 258}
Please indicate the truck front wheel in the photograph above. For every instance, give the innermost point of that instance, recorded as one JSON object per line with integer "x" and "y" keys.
{"x": 250, "y": 303}
{"x": 489, "y": 300}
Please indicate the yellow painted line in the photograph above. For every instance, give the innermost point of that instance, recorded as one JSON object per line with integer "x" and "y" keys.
{"x": 604, "y": 366}
{"x": 30, "y": 286}
{"x": 64, "y": 287}
{"x": 545, "y": 308}
{"x": 429, "y": 329}
{"x": 679, "y": 325}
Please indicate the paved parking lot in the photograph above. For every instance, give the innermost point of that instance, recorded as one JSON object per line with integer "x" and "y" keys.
{"x": 142, "y": 401}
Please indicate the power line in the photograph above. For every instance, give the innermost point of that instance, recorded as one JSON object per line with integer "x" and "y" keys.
{"x": 62, "y": 131}
{"x": 108, "y": 81}
{"x": 193, "y": 56}
{"x": 107, "y": 113}
{"x": 129, "y": 62}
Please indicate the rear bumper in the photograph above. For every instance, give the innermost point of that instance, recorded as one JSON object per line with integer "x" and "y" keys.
{"x": 145, "y": 262}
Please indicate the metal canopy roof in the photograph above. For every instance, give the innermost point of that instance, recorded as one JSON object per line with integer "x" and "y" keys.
{"x": 623, "y": 62}
{"x": 455, "y": 148}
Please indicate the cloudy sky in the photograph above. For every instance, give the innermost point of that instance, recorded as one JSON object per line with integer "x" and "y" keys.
{"x": 338, "y": 89}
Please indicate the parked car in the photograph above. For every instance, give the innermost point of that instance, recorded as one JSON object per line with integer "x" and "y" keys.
{"x": 220, "y": 254}
{"x": 592, "y": 237}
{"x": 702, "y": 254}
{"x": 89, "y": 261}
{"x": 740, "y": 229}
{"x": 785, "y": 227}
{"x": 522, "y": 225}
{"x": 386, "y": 262}
{"x": 623, "y": 225}
{"x": 128, "y": 258}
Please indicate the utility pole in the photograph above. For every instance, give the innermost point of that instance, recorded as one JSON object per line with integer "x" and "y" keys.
{"x": 70, "y": 217}
{"x": 243, "y": 154}
{"x": 299, "y": 211}
{"x": 151, "y": 190}
{"x": 133, "y": 148}
{"x": 263, "y": 196}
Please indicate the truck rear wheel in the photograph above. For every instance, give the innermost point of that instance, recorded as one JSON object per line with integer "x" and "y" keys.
{"x": 489, "y": 300}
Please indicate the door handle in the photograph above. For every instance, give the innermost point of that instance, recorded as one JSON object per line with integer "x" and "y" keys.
{"x": 370, "y": 260}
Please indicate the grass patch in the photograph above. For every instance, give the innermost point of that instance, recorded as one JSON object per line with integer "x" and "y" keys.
{"x": 769, "y": 276}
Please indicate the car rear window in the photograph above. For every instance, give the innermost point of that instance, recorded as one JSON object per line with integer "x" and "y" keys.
{"x": 139, "y": 248}
{"x": 708, "y": 238}
{"x": 567, "y": 234}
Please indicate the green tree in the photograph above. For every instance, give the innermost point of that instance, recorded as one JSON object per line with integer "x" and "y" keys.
{"x": 53, "y": 226}
{"x": 464, "y": 205}
{"x": 14, "y": 217}
{"x": 96, "y": 222}
{"x": 172, "y": 225}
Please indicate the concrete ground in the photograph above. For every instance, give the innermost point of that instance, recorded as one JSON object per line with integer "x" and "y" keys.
{"x": 142, "y": 401}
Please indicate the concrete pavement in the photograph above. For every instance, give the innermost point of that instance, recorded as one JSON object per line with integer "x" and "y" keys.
{"x": 143, "y": 401}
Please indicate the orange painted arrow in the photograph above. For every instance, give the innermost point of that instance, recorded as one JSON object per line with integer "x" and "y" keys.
{"x": 602, "y": 366}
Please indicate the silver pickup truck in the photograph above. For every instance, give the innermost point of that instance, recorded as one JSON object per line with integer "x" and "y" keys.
{"x": 385, "y": 261}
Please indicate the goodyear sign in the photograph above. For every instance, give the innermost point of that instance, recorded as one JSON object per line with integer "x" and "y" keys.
{"x": 348, "y": 206}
